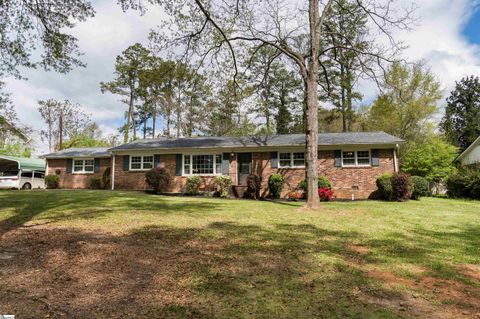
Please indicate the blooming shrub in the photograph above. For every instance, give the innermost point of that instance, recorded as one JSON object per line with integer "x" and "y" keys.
{"x": 325, "y": 194}
{"x": 294, "y": 196}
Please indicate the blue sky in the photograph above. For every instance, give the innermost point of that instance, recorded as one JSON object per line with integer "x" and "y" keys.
{"x": 446, "y": 39}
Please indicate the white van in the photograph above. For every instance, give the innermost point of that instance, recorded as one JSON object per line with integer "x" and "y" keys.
{"x": 22, "y": 179}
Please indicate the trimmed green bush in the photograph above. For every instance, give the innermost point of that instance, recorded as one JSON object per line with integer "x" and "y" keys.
{"x": 157, "y": 178}
{"x": 52, "y": 181}
{"x": 254, "y": 184}
{"x": 193, "y": 185}
{"x": 420, "y": 187}
{"x": 275, "y": 185}
{"x": 106, "y": 178}
{"x": 224, "y": 183}
{"x": 464, "y": 184}
{"x": 323, "y": 182}
{"x": 401, "y": 187}
{"x": 94, "y": 183}
{"x": 384, "y": 185}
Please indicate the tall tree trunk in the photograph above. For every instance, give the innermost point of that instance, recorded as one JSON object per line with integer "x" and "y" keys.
{"x": 60, "y": 130}
{"x": 154, "y": 121}
{"x": 129, "y": 117}
{"x": 311, "y": 84}
{"x": 343, "y": 106}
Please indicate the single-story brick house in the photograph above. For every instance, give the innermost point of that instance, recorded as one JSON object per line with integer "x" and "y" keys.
{"x": 351, "y": 161}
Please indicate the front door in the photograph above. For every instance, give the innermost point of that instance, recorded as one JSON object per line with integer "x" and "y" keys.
{"x": 244, "y": 162}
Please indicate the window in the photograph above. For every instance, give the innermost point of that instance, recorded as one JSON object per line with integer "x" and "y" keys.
{"x": 141, "y": 162}
{"x": 355, "y": 158}
{"x": 83, "y": 166}
{"x": 291, "y": 159}
{"x": 202, "y": 164}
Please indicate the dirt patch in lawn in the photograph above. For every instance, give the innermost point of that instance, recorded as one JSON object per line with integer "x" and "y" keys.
{"x": 470, "y": 271}
{"x": 430, "y": 297}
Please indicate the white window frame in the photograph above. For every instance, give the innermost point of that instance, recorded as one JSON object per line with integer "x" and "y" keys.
{"x": 291, "y": 159}
{"x": 215, "y": 173}
{"x": 355, "y": 152}
{"x": 83, "y": 171}
{"x": 142, "y": 162}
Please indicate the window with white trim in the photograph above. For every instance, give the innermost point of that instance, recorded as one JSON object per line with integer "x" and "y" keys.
{"x": 141, "y": 162}
{"x": 202, "y": 164}
{"x": 356, "y": 158}
{"x": 83, "y": 165}
{"x": 291, "y": 159}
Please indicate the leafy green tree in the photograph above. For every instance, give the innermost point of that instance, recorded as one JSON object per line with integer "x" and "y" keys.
{"x": 16, "y": 149}
{"x": 128, "y": 67}
{"x": 432, "y": 159}
{"x": 407, "y": 104}
{"x": 346, "y": 25}
{"x": 34, "y": 34}
{"x": 461, "y": 122}
{"x": 90, "y": 136}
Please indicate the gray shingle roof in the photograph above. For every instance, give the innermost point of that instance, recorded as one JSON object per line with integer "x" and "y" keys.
{"x": 258, "y": 141}
{"x": 79, "y": 152}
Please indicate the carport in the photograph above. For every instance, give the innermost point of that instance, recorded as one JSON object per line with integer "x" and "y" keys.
{"x": 11, "y": 163}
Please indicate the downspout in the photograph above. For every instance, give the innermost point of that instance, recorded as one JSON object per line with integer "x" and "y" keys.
{"x": 113, "y": 171}
{"x": 395, "y": 160}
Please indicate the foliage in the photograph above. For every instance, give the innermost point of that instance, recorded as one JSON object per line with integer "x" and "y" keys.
{"x": 347, "y": 22}
{"x": 90, "y": 136}
{"x": 384, "y": 186}
{"x": 465, "y": 183}
{"x": 294, "y": 196}
{"x": 52, "y": 181}
{"x": 322, "y": 182}
{"x": 16, "y": 149}
{"x": 63, "y": 119}
{"x": 275, "y": 185}
{"x": 401, "y": 187}
{"x": 432, "y": 159}
{"x": 35, "y": 34}
{"x": 408, "y": 103}
{"x": 224, "y": 183}
{"x": 193, "y": 184}
{"x": 94, "y": 183}
{"x": 420, "y": 187}
{"x": 325, "y": 194}
{"x": 106, "y": 177}
{"x": 461, "y": 122}
{"x": 254, "y": 183}
{"x": 157, "y": 178}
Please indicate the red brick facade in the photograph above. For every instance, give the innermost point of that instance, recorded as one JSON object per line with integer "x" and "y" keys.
{"x": 74, "y": 180}
{"x": 346, "y": 181}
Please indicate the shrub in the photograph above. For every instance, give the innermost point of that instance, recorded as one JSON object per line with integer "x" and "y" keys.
{"x": 384, "y": 185}
{"x": 401, "y": 187}
{"x": 322, "y": 182}
{"x": 224, "y": 183}
{"x": 157, "y": 178}
{"x": 94, "y": 183}
{"x": 294, "y": 196}
{"x": 193, "y": 184}
{"x": 52, "y": 181}
{"x": 464, "y": 184}
{"x": 419, "y": 187}
{"x": 254, "y": 184}
{"x": 275, "y": 185}
{"x": 325, "y": 194}
{"x": 106, "y": 178}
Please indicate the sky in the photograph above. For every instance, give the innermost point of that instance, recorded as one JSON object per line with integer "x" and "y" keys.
{"x": 446, "y": 37}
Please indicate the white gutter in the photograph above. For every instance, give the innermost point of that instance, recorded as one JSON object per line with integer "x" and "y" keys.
{"x": 395, "y": 160}
{"x": 113, "y": 172}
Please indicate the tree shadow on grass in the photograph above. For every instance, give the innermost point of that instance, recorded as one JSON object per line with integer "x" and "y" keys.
{"x": 65, "y": 206}
{"x": 224, "y": 270}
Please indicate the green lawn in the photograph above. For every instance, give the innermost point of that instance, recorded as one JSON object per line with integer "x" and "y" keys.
{"x": 101, "y": 254}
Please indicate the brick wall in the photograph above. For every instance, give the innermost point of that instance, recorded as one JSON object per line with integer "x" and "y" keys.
{"x": 359, "y": 181}
{"x": 70, "y": 180}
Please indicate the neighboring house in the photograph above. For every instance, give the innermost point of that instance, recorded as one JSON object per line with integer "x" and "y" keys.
{"x": 471, "y": 156}
{"x": 351, "y": 161}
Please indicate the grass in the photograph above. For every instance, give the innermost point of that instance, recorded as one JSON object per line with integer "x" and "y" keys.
{"x": 124, "y": 254}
